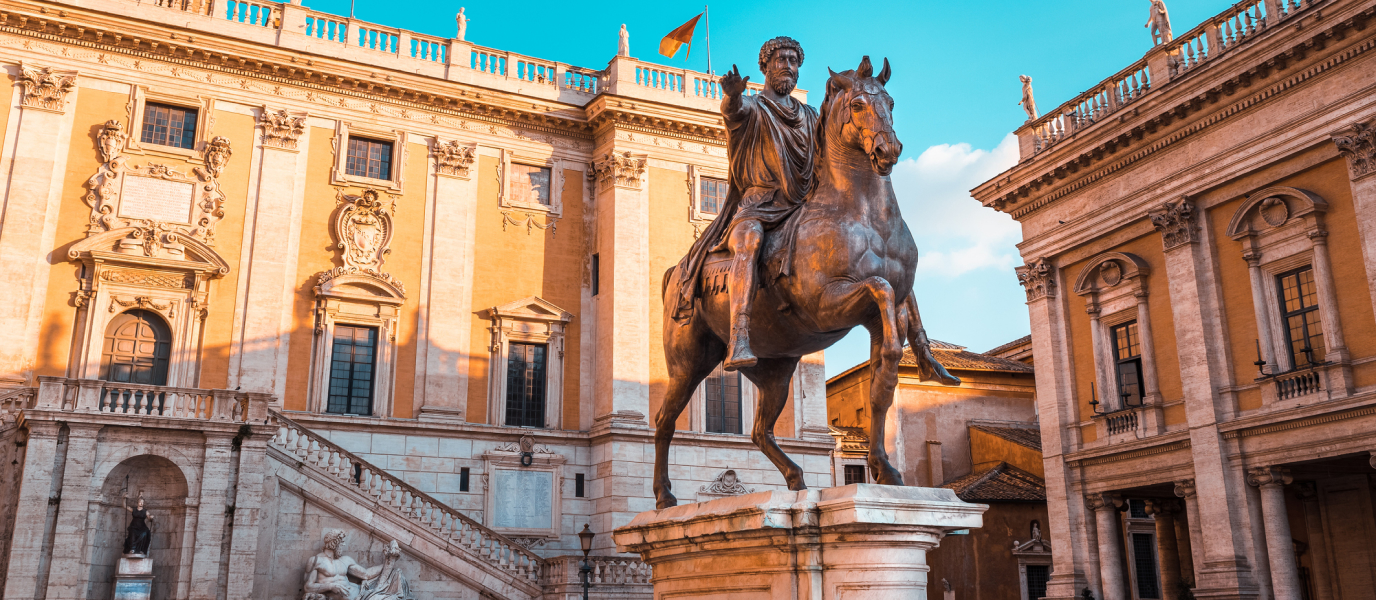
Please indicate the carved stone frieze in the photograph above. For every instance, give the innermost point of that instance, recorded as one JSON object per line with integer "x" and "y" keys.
{"x": 169, "y": 308}
{"x": 363, "y": 232}
{"x": 1177, "y": 223}
{"x": 146, "y": 279}
{"x": 45, "y": 87}
{"x": 1038, "y": 279}
{"x": 526, "y": 443}
{"x": 453, "y": 158}
{"x": 282, "y": 129}
{"x": 1358, "y": 143}
{"x": 622, "y": 170}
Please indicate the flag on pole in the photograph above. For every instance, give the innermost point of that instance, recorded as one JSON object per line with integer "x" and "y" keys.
{"x": 683, "y": 35}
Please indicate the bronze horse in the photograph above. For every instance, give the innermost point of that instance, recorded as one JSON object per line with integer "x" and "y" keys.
{"x": 854, "y": 263}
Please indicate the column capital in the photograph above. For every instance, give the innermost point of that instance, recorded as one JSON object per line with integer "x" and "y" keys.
{"x": 87, "y": 430}
{"x": 1185, "y": 488}
{"x": 282, "y": 129}
{"x": 45, "y": 88}
{"x": 42, "y": 429}
{"x": 1253, "y": 258}
{"x": 1103, "y": 500}
{"x": 1177, "y": 223}
{"x": 1162, "y": 506}
{"x": 1038, "y": 278}
{"x": 1372, "y": 460}
{"x": 1266, "y": 476}
{"x": 1357, "y": 142}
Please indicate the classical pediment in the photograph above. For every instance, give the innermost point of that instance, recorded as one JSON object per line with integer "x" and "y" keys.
{"x": 360, "y": 285}
{"x": 150, "y": 247}
{"x": 530, "y": 308}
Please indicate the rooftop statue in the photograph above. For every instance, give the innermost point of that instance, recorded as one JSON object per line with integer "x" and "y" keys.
{"x": 462, "y": 22}
{"x": 808, "y": 245}
{"x": 623, "y": 45}
{"x": 1028, "y": 104}
{"x": 1159, "y": 23}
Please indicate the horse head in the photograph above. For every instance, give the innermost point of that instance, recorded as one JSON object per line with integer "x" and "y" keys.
{"x": 858, "y": 113}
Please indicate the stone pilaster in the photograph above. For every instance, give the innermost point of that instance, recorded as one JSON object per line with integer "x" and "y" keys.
{"x": 1074, "y": 567}
{"x": 36, "y": 488}
{"x": 210, "y": 522}
{"x": 1167, "y": 550}
{"x": 38, "y": 134}
{"x": 622, "y": 382}
{"x": 1185, "y": 489}
{"x": 1105, "y": 507}
{"x": 1285, "y": 575}
{"x": 1357, "y": 143}
{"x": 446, "y": 299}
{"x": 68, "y": 577}
{"x": 248, "y": 503}
{"x": 263, "y": 315}
{"x": 1225, "y": 571}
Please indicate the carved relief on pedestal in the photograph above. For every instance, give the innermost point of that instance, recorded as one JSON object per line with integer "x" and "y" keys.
{"x": 44, "y": 87}
{"x": 453, "y": 158}
{"x": 725, "y": 484}
{"x": 162, "y": 204}
{"x": 1358, "y": 143}
{"x": 1176, "y": 222}
{"x": 1038, "y": 278}
{"x": 363, "y": 231}
{"x": 282, "y": 129}
{"x": 618, "y": 169}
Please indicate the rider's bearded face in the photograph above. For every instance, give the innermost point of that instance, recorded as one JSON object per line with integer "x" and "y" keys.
{"x": 782, "y": 75}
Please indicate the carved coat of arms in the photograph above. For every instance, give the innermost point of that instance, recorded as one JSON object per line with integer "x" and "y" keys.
{"x": 364, "y": 230}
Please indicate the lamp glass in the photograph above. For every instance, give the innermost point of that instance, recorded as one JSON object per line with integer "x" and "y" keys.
{"x": 585, "y": 538}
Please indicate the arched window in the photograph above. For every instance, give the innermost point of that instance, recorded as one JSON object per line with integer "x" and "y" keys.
{"x": 137, "y": 348}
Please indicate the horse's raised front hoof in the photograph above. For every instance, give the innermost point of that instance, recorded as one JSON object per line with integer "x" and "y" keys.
{"x": 936, "y": 371}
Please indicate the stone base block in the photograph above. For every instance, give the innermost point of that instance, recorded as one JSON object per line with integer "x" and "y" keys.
{"x": 854, "y": 542}
{"x": 134, "y": 578}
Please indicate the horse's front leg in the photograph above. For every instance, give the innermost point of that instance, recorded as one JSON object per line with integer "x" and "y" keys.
{"x": 848, "y": 299}
{"x": 771, "y": 377}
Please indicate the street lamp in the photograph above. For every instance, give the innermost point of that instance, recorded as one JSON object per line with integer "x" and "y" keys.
{"x": 585, "y": 571}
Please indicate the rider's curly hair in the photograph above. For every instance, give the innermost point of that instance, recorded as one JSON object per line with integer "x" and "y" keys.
{"x": 783, "y": 41}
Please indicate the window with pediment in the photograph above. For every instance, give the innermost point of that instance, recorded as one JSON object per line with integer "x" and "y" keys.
{"x": 1114, "y": 286}
{"x": 526, "y": 363}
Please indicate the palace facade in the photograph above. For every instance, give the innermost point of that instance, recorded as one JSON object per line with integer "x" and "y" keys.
{"x": 277, "y": 271}
{"x": 1200, "y": 244}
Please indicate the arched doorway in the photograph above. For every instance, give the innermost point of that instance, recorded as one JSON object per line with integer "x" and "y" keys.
{"x": 164, "y": 488}
{"x": 137, "y": 349}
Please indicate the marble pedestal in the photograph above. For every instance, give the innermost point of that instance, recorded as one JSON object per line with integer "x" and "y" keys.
{"x": 855, "y": 542}
{"x": 134, "y": 578}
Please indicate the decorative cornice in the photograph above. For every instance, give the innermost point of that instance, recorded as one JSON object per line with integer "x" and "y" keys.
{"x": 44, "y": 87}
{"x": 1144, "y": 452}
{"x": 1298, "y": 423}
{"x": 1358, "y": 143}
{"x": 1176, "y": 222}
{"x": 1038, "y": 278}
{"x": 282, "y": 129}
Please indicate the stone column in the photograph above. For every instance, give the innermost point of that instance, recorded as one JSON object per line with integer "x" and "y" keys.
{"x": 1196, "y": 304}
{"x": 1318, "y": 546}
{"x": 1261, "y": 309}
{"x": 210, "y": 521}
{"x": 1152, "y": 393}
{"x": 1357, "y": 142}
{"x": 1105, "y": 507}
{"x": 263, "y": 317}
{"x": 31, "y": 512}
{"x": 1102, "y": 350}
{"x": 446, "y": 297}
{"x": 1285, "y": 573}
{"x": 40, "y": 127}
{"x": 1190, "y": 541}
{"x": 1340, "y": 379}
{"x": 67, "y": 576}
{"x": 1074, "y": 566}
{"x": 248, "y": 502}
{"x": 1167, "y": 550}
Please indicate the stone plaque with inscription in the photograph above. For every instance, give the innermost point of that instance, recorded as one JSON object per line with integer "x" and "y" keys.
{"x": 157, "y": 199}
{"x": 523, "y": 499}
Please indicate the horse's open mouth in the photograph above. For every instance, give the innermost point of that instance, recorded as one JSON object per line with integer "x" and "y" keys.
{"x": 881, "y": 166}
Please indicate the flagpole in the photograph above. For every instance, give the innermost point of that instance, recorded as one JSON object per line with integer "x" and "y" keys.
{"x": 707, "y": 21}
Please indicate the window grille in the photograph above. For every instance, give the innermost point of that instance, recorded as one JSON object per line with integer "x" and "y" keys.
{"x": 530, "y": 184}
{"x": 1037, "y": 577}
{"x": 1127, "y": 354}
{"x": 351, "y": 370}
{"x": 723, "y": 401}
{"x": 525, "y": 385}
{"x": 711, "y": 195}
{"x": 1299, "y": 298}
{"x": 166, "y": 125}
{"x": 369, "y": 158}
{"x": 855, "y": 474}
{"x": 1144, "y": 563}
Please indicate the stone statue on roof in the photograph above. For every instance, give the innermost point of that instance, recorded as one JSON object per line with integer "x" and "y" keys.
{"x": 623, "y": 46}
{"x": 1028, "y": 104}
{"x": 462, "y": 21}
{"x": 1159, "y": 23}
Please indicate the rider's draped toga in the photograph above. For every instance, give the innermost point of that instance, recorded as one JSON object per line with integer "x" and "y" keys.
{"x": 769, "y": 149}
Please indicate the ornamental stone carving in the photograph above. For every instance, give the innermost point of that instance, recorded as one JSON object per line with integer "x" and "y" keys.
{"x": 1184, "y": 488}
{"x": 45, "y": 87}
{"x": 363, "y": 230}
{"x": 618, "y": 170}
{"x": 1176, "y": 222}
{"x": 453, "y": 158}
{"x": 523, "y": 445}
{"x": 1264, "y": 476}
{"x": 1358, "y": 143}
{"x": 1038, "y": 279}
{"x": 282, "y": 129}
{"x": 217, "y": 153}
{"x": 1103, "y": 500}
{"x": 725, "y": 484}
{"x": 111, "y": 140}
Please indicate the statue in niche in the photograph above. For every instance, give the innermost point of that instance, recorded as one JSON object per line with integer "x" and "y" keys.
{"x": 1036, "y": 530}
{"x": 390, "y": 584}
{"x": 327, "y": 573}
{"x": 623, "y": 47}
{"x": 1159, "y": 23}
{"x": 1028, "y": 104}
{"x": 140, "y": 529}
{"x": 462, "y": 21}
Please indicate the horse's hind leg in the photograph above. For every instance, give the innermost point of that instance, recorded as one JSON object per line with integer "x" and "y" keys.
{"x": 691, "y": 352}
{"x": 771, "y": 376}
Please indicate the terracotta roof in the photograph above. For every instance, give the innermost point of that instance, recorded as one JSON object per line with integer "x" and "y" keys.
{"x": 1024, "y": 340}
{"x": 957, "y": 357}
{"x": 1024, "y": 436}
{"x": 1000, "y": 483}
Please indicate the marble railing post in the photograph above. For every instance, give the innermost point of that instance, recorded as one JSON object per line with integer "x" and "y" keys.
{"x": 210, "y": 520}
{"x": 67, "y": 577}
{"x": 1167, "y": 551}
{"x": 31, "y": 511}
{"x": 1185, "y": 489}
{"x": 1285, "y": 576}
{"x": 1105, "y": 507}
{"x": 1357, "y": 143}
{"x": 1318, "y": 545}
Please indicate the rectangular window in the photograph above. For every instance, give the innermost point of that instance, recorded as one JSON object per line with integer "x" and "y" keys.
{"x": 596, "y": 274}
{"x": 463, "y": 479}
{"x": 525, "y": 385}
{"x": 369, "y": 158}
{"x": 1127, "y": 355}
{"x": 1037, "y": 577}
{"x": 712, "y": 195}
{"x": 579, "y": 485}
{"x": 855, "y": 474}
{"x": 1144, "y": 564}
{"x": 351, "y": 370}
{"x": 530, "y": 184}
{"x": 1300, "y": 310}
{"x": 169, "y": 126}
{"x": 723, "y": 401}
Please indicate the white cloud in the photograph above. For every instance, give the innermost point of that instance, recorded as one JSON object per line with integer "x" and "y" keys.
{"x": 956, "y": 235}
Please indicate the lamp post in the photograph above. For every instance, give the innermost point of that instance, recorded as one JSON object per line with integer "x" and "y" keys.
{"x": 585, "y": 571}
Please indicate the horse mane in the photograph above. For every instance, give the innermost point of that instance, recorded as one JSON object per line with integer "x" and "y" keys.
{"x": 820, "y": 135}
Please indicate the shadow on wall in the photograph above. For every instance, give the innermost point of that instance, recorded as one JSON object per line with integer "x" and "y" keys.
{"x": 164, "y": 492}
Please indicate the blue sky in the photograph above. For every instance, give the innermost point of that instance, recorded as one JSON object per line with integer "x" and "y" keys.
{"x": 955, "y": 82}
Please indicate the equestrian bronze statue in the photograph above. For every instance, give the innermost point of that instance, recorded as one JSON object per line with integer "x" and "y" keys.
{"x": 808, "y": 245}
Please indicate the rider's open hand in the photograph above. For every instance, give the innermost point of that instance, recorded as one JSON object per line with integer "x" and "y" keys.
{"x": 732, "y": 84}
